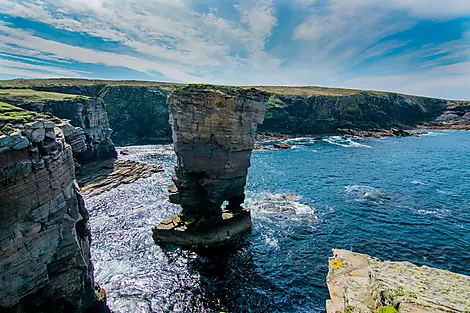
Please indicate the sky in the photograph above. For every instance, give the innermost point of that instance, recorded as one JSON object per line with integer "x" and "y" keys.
{"x": 410, "y": 46}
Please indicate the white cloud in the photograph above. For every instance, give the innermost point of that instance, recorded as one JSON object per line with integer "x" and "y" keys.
{"x": 27, "y": 41}
{"x": 260, "y": 20}
{"x": 170, "y": 37}
{"x": 416, "y": 8}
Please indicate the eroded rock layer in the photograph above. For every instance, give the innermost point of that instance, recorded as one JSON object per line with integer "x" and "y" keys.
{"x": 45, "y": 263}
{"x": 359, "y": 283}
{"x": 214, "y": 132}
{"x": 90, "y": 115}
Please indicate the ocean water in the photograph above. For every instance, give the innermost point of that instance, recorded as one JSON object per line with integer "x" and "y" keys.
{"x": 394, "y": 198}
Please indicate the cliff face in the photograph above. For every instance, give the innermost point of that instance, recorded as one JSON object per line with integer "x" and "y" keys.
{"x": 45, "y": 261}
{"x": 321, "y": 114}
{"x": 456, "y": 116}
{"x": 88, "y": 114}
{"x": 136, "y": 113}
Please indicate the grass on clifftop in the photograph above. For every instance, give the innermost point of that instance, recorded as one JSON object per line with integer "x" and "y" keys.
{"x": 12, "y": 114}
{"x": 281, "y": 90}
{"x": 27, "y": 95}
{"x": 315, "y": 91}
{"x": 29, "y": 83}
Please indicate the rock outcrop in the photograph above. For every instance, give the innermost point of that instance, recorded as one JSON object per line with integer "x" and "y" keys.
{"x": 45, "y": 263}
{"x": 359, "y": 283}
{"x": 88, "y": 114}
{"x": 137, "y": 111}
{"x": 97, "y": 177}
{"x": 214, "y": 132}
{"x": 456, "y": 116}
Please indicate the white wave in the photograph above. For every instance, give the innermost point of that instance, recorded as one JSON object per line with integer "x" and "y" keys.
{"x": 344, "y": 142}
{"x": 137, "y": 153}
{"x": 271, "y": 241}
{"x": 367, "y": 194}
{"x": 280, "y": 203}
{"x": 418, "y": 182}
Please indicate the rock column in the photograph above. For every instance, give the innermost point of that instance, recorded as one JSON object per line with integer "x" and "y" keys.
{"x": 214, "y": 132}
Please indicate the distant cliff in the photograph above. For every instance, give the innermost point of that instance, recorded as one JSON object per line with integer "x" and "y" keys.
{"x": 138, "y": 112}
{"x": 324, "y": 114}
{"x": 45, "y": 258}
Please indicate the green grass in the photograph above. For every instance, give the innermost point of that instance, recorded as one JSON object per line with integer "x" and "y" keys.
{"x": 387, "y": 309}
{"x": 12, "y": 114}
{"x": 280, "y": 90}
{"x": 27, "y": 95}
{"x": 29, "y": 83}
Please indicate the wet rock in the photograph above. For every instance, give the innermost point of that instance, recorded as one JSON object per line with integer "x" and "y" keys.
{"x": 214, "y": 134}
{"x": 45, "y": 261}
{"x": 205, "y": 231}
{"x": 361, "y": 283}
{"x": 97, "y": 177}
{"x": 283, "y": 146}
{"x": 378, "y": 133}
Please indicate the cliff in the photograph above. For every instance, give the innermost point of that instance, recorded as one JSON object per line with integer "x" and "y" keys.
{"x": 87, "y": 115}
{"x": 138, "y": 111}
{"x": 325, "y": 114}
{"x": 359, "y": 283}
{"x": 45, "y": 263}
{"x": 456, "y": 116}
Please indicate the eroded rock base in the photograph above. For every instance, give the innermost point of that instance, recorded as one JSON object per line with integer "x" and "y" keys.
{"x": 204, "y": 232}
{"x": 359, "y": 283}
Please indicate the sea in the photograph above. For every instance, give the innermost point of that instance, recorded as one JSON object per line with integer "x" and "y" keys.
{"x": 400, "y": 199}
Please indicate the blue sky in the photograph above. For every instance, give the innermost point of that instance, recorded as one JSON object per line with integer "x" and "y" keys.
{"x": 409, "y": 46}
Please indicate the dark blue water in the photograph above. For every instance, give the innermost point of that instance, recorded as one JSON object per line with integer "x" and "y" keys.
{"x": 394, "y": 198}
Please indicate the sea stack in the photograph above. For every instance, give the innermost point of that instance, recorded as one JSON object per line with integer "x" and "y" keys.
{"x": 214, "y": 130}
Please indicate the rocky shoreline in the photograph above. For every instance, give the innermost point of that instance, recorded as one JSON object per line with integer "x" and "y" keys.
{"x": 359, "y": 283}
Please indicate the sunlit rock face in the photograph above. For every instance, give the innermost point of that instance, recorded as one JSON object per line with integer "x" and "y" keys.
{"x": 214, "y": 134}
{"x": 361, "y": 283}
{"x": 45, "y": 262}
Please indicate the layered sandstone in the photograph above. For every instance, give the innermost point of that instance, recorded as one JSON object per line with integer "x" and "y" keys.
{"x": 88, "y": 114}
{"x": 359, "y": 283}
{"x": 214, "y": 132}
{"x": 45, "y": 263}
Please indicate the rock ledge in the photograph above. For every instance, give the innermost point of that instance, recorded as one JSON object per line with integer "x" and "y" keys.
{"x": 359, "y": 283}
